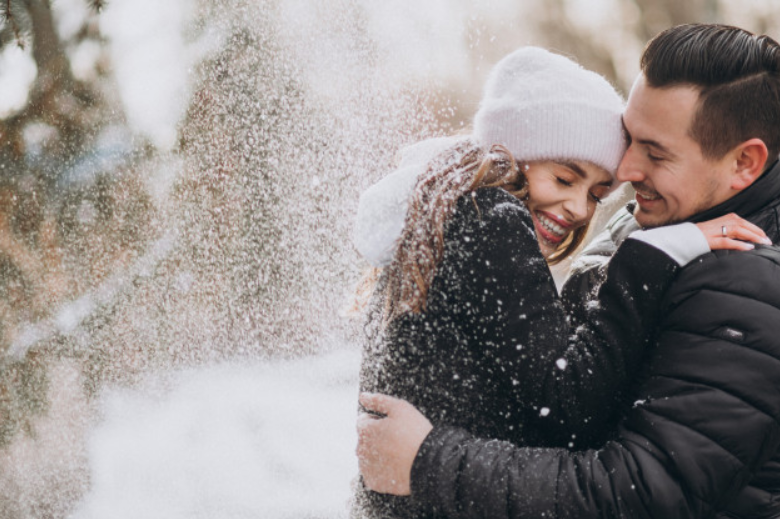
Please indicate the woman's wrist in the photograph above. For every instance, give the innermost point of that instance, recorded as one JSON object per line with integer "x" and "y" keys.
{"x": 682, "y": 242}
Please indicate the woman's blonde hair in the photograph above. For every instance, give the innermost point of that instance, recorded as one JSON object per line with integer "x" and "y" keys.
{"x": 459, "y": 170}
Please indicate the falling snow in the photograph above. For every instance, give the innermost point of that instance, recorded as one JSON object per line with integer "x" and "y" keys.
{"x": 195, "y": 352}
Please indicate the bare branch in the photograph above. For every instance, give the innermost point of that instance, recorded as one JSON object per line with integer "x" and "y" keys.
{"x": 11, "y": 19}
{"x": 97, "y": 5}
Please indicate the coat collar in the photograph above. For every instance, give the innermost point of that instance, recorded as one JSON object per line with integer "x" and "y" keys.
{"x": 750, "y": 200}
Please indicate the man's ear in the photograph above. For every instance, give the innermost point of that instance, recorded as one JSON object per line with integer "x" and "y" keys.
{"x": 750, "y": 159}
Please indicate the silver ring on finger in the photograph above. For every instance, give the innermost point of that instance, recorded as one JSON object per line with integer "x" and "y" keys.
{"x": 723, "y": 230}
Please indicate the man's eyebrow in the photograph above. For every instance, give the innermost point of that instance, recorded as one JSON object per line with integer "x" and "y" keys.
{"x": 657, "y": 145}
{"x": 645, "y": 142}
{"x": 581, "y": 172}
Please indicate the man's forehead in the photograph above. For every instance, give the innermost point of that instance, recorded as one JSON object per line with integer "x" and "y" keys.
{"x": 663, "y": 114}
{"x": 681, "y": 95}
{"x": 640, "y": 78}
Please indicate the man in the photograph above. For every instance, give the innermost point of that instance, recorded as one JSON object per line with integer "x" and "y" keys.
{"x": 703, "y": 433}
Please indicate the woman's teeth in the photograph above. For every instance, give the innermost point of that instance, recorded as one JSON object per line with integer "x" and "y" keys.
{"x": 550, "y": 225}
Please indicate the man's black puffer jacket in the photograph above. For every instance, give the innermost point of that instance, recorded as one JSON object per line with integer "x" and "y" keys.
{"x": 701, "y": 438}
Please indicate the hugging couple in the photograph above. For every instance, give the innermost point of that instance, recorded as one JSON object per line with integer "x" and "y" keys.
{"x": 650, "y": 387}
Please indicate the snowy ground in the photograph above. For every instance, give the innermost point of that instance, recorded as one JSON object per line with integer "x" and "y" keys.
{"x": 271, "y": 440}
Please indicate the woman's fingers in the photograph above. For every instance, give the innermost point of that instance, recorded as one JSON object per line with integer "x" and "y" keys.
{"x": 732, "y": 232}
{"x": 743, "y": 230}
{"x": 729, "y": 244}
{"x": 740, "y": 232}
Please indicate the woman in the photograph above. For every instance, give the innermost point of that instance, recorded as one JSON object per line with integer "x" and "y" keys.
{"x": 466, "y": 323}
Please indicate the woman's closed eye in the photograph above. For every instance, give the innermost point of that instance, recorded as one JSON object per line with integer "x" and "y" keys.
{"x": 563, "y": 181}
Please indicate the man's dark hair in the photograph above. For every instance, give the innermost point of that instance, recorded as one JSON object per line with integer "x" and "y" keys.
{"x": 737, "y": 74}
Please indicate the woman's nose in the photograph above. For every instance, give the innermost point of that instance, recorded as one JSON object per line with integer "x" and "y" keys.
{"x": 578, "y": 207}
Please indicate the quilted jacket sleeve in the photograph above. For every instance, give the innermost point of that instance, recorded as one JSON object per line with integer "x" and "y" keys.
{"x": 540, "y": 359}
{"x": 707, "y": 417}
{"x": 591, "y": 366}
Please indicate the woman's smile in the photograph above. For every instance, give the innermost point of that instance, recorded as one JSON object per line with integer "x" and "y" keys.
{"x": 553, "y": 229}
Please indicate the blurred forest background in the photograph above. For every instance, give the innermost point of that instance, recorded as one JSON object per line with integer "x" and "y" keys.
{"x": 214, "y": 224}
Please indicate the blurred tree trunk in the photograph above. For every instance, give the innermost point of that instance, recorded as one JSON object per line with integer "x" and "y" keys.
{"x": 58, "y": 238}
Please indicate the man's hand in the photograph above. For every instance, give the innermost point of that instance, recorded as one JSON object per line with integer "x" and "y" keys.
{"x": 387, "y": 445}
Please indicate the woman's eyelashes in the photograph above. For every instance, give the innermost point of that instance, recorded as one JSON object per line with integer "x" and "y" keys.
{"x": 568, "y": 183}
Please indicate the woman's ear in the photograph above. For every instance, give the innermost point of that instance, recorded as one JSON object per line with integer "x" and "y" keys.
{"x": 750, "y": 160}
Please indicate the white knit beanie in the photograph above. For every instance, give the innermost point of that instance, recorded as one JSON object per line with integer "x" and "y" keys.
{"x": 544, "y": 106}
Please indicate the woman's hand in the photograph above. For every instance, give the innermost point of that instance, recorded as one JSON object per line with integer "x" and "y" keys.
{"x": 389, "y": 436}
{"x": 732, "y": 232}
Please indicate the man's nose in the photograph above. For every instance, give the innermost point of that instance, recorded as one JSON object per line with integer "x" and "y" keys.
{"x": 629, "y": 169}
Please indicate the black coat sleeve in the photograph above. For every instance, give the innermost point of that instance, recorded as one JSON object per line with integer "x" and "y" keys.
{"x": 542, "y": 360}
{"x": 707, "y": 417}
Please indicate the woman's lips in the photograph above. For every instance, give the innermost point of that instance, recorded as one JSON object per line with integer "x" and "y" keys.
{"x": 550, "y": 227}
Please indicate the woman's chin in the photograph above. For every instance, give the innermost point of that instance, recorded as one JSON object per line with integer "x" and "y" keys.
{"x": 548, "y": 247}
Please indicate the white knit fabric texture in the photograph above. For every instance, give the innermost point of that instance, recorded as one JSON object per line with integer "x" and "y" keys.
{"x": 542, "y": 106}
